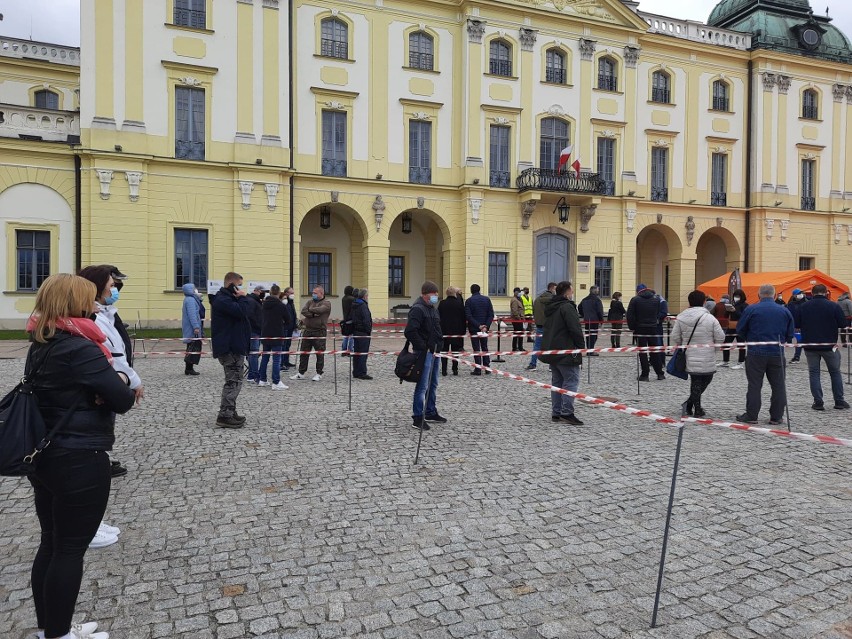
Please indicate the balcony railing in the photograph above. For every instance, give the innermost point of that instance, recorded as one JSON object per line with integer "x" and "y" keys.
{"x": 810, "y": 112}
{"x": 608, "y": 187}
{"x": 500, "y": 67}
{"x": 54, "y": 53}
{"x": 39, "y": 124}
{"x": 659, "y": 195}
{"x": 808, "y": 203}
{"x": 718, "y": 199}
{"x": 720, "y": 104}
{"x": 663, "y": 96}
{"x": 334, "y": 167}
{"x": 421, "y": 61}
{"x": 189, "y": 150}
{"x": 420, "y": 175}
{"x": 557, "y": 76}
{"x": 334, "y": 49}
{"x": 607, "y": 82}
{"x": 195, "y": 18}
{"x": 500, "y": 179}
{"x": 565, "y": 181}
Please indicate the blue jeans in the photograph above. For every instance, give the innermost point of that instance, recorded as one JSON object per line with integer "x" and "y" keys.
{"x": 253, "y": 374}
{"x": 346, "y": 343}
{"x": 480, "y": 345}
{"x": 273, "y": 345}
{"x": 361, "y": 344}
{"x": 568, "y": 378}
{"x": 430, "y": 378}
{"x": 832, "y": 363}
{"x": 539, "y": 331}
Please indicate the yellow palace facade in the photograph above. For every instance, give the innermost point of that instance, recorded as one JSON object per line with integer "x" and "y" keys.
{"x": 383, "y": 143}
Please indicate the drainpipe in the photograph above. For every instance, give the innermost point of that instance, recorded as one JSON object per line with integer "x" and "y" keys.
{"x": 78, "y": 214}
{"x": 749, "y": 109}
{"x": 291, "y": 138}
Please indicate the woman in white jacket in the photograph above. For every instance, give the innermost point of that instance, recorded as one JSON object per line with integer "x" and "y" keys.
{"x": 700, "y": 362}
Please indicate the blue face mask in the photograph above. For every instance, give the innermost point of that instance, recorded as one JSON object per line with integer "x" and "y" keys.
{"x": 433, "y": 299}
{"x": 113, "y": 296}
{"x": 316, "y": 297}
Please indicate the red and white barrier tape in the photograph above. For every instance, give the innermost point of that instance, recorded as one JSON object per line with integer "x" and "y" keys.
{"x": 821, "y": 439}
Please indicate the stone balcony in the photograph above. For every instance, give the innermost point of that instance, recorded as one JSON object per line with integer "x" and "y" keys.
{"x": 696, "y": 31}
{"x": 30, "y": 123}
{"x": 27, "y": 49}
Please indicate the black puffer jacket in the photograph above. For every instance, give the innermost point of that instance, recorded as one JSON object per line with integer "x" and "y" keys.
{"x": 424, "y": 327}
{"x": 274, "y": 317}
{"x": 362, "y": 319}
{"x": 75, "y": 365}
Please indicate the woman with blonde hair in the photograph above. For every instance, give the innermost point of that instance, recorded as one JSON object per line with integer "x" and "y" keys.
{"x": 72, "y": 371}
{"x": 451, "y": 311}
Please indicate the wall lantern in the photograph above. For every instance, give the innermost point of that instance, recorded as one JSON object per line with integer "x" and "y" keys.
{"x": 562, "y": 209}
{"x": 325, "y": 217}
{"x": 406, "y": 222}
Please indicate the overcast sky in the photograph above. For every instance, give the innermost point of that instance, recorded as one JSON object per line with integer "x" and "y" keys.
{"x": 58, "y": 21}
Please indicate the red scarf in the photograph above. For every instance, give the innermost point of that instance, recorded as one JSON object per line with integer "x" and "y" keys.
{"x": 81, "y": 326}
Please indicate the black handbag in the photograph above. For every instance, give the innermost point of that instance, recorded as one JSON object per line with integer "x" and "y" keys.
{"x": 677, "y": 364}
{"x": 409, "y": 366}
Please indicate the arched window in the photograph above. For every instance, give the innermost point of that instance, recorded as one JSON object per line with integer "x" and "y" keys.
{"x": 721, "y": 96}
{"x": 661, "y": 87}
{"x": 555, "y": 66}
{"x": 500, "y": 58}
{"x": 421, "y": 51}
{"x": 45, "y": 99}
{"x": 555, "y": 135}
{"x": 335, "y": 39}
{"x": 810, "y": 104}
{"x": 607, "y": 74}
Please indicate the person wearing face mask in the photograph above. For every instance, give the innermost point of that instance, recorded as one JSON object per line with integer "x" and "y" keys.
{"x": 192, "y": 327}
{"x": 451, "y": 311}
{"x": 797, "y": 300}
{"x": 516, "y": 312}
{"x": 229, "y": 317}
{"x": 821, "y": 320}
{"x": 423, "y": 331}
{"x": 362, "y": 328}
{"x": 315, "y": 314}
{"x": 479, "y": 313}
{"x": 732, "y": 311}
{"x": 528, "y": 314}
{"x": 562, "y": 331}
{"x": 780, "y": 300}
{"x": 288, "y": 296}
{"x": 592, "y": 313}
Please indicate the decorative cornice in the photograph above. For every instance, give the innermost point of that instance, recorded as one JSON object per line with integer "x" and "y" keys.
{"x": 270, "y": 4}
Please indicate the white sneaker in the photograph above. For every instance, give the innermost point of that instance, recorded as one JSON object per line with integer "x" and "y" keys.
{"x": 316, "y": 378}
{"x": 83, "y": 629}
{"x": 102, "y": 540}
{"x": 297, "y": 376}
{"x": 263, "y": 383}
{"x": 722, "y": 364}
{"x": 737, "y": 367}
{"x": 109, "y": 530}
{"x": 280, "y": 386}
{"x": 92, "y": 635}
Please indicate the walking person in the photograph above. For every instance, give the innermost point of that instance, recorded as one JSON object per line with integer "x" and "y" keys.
{"x": 846, "y": 307}
{"x": 645, "y": 314}
{"x": 615, "y": 316}
{"x": 255, "y": 321}
{"x": 271, "y": 333}
{"x": 696, "y": 326}
{"x": 479, "y": 313}
{"x": 765, "y": 321}
{"x": 315, "y": 314}
{"x": 346, "y": 303}
{"x": 821, "y": 319}
{"x": 591, "y": 311}
{"x": 516, "y": 314}
{"x": 229, "y": 317}
{"x": 539, "y": 305}
{"x": 72, "y": 371}
{"x": 562, "y": 331}
{"x": 795, "y": 305}
{"x": 192, "y": 327}
{"x": 423, "y": 331}
{"x": 362, "y": 329}
{"x": 453, "y": 323}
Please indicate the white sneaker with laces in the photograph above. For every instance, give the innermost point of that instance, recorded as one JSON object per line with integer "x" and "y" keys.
{"x": 263, "y": 384}
{"x": 102, "y": 540}
{"x": 297, "y": 376}
{"x": 280, "y": 386}
{"x": 316, "y": 378}
{"x": 737, "y": 366}
{"x": 722, "y": 364}
{"x": 84, "y": 629}
{"x": 109, "y": 530}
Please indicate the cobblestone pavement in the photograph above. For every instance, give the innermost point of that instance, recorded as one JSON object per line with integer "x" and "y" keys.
{"x": 313, "y": 521}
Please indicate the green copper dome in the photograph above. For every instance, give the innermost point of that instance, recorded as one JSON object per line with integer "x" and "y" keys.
{"x": 729, "y": 9}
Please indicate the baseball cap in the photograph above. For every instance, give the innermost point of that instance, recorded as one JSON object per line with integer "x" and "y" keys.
{"x": 640, "y": 288}
{"x": 796, "y": 291}
{"x": 259, "y": 287}
{"x": 116, "y": 273}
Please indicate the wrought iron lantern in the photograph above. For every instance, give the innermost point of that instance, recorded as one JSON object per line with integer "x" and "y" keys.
{"x": 325, "y": 217}
{"x": 406, "y": 222}
{"x": 562, "y": 210}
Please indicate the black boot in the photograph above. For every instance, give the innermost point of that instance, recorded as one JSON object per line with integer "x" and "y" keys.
{"x": 190, "y": 370}
{"x": 699, "y": 412}
{"x": 686, "y": 409}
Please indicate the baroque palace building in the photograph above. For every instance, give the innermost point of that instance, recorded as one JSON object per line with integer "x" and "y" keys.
{"x": 382, "y": 143}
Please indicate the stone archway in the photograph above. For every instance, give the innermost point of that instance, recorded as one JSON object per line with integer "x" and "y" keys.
{"x": 717, "y": 252}
{"x": 658, "y": 259}
{"x": 419, "y": 240}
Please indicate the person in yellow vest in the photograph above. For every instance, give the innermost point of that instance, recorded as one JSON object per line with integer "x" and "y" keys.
{"x": 528, "y": 313}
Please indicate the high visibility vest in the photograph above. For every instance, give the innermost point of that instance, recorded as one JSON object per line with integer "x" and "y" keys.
{"x": 528, "y": 305}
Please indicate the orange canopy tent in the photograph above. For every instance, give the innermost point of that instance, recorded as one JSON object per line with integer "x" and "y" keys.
{"x": 783, "y": 281}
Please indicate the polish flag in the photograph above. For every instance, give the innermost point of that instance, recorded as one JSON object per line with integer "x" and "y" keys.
{"x": 576, "y": 166}
{"x": 564, "y": 156}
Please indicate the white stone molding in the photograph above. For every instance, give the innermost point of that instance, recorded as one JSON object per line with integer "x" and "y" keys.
{"x": 690, "y": 230}
{"x": 608, "y": 133}
{"x": 837, "y": 229}
{"x": 335, "y": 105}
{"x": 245, "y": 1}
{"x": 190, "y": 81}
{"x": 769, "y": 81}
{"x": 499, "y": 119}
{"x": 770, "y": 224}
{"x": 631, "y": 56}
{"x": 587, "y": 49}
{"x": 630, "y": 214}
{"x": 475, "y": 30}
{"x": 379, "y": 210}
{"x": 528, "y": 208}
{"x": 105, "y": 178}
{"x": 271, "y": 193}
{"x": 133, "y": 179}
{"x": 245, "y": 189}
{"x": 785, "y": 224}
{"x": 420, "y": 115}
{"x": 586, "y": 215}
{"x": 270, "y": 4}
{"x": 783, "y": 84}
{"x": 527, "y": 37}
{"x": 475, "y": 205}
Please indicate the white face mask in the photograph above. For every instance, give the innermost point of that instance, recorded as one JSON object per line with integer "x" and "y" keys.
{"x": 736, "y": 299}
{"x": 291, "y": 296}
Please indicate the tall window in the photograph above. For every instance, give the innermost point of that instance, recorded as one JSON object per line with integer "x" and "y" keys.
{"x": 45, "y": 99}
{"x": 189, "y": 123}
{"x": 334, "y": 143}
{"x": 334, "y": 34}
{"x": 810, "y": 104}
{"x": 191, "y": 13}
{"x": 606, "y": 164}
{"x": 809, "y": 185}
{"x": 396, "y": 275}
{"x": 607, "y": 74}
{"x": 659, "y": 174}
{"x": 806, "y": 263}
{"x": 721, "y": 96}
{"x": 603, "y": 275}
{"x": 661, "y": 87}
{"x": 319, "y": 271}
{"x": 554, "y": 138}
{"x": 190, "y": 257}
{"x": 500, "y": 58}
{"x": 420, "y": 152}
{"x": 421, "y": 48}
{"x": 498, "y": 273}
{"x": 554, "y": 66}
{"x": 33, "y": 259}
{"x": 499, "y": 172}
{"x": 719, "y": 180}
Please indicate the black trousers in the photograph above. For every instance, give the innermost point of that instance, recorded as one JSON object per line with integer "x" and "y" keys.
{"x": 71, "y": 493}
{"x": 656, "y": 359}
{"x": 698, "y": 383}
{"x": 451, "y": 345}
{"x": 730, "y": 336}
{"x": 518, "y": 337}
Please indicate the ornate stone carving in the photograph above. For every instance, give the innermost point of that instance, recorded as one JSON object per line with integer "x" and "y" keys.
{"x": 720, "y": 221}
{"x": 608, "y": 133}
{"x": 526, "y": 213}
{"x": 839, "y": 92}
{"x": 421, "y": 202}
{"x": 246, "y": 188}
{"x": 420, "y": 115}
{"x": 769, "y": 81}
{"x": 336, "y": 105}
{"x": 586, "y": 215}
{"x": 499, "y": 119}
{"x": 849, "y": 233}
{"x": 785, "y": 224}
{"x": 379, "y": 212}
{"x": 631, "y": 56}
{"x": 527, "y": 37}
{"x": 334, "y": 195}
{"x": 837, "y": 229}
{"x": 556, "y": 110}
{"x": 630, "y": 214}
{"x": 475, "y": 205}
{"x": 783, "y": 84}
{"x": 849, "y": 94}
{"x": 271, "y": 194}
{"x": 659, "y": 218}
{"x": 105, "y": 178}
{"x": 690, "y": 230}
{"x": 190, "y": 81}
{"x": 587, "y": 48}
{"x": 770, "y": 224}
{"x": 475, "y": 30}
{"x": 133, "y": 179}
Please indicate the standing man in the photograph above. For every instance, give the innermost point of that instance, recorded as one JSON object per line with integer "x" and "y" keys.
{"x": 591, "y": 310}
{"x": 528, "y": 313}
{"x": 423, "y": 331}
{"x": 272, "y": 332}
{"x": 795, "y": 305}
{"x": 256, "y": 322}
{"x": 315, "y": 314}
{"x": 516, "y": 313}
{"x": 231, "y": 330}
{"x": 538, "y": 316}
{"x": 845, "y": 306}
{"x": 765, "y": 321}
{"x": 645, "y": 314}
{"x": 562, "y": 331}
{"x": 346, "y": 303}
{"x": 453, "y": 322}
{"x": 821, "y": 319}
{"x": 362, "y": 329}
{"x": 479, "y": 313}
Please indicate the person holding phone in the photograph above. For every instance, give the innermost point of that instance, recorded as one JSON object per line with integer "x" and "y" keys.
{"x": 231, "y": 330}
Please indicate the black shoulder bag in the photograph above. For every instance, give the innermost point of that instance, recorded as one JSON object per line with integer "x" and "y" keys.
{"x": 409, "y": 366}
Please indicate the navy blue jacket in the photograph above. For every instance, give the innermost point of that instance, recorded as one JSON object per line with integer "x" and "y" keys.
{"x": 424, "y": 327}
{"x": 591, "y": 308}
{"x": 362, "y": 317}
{"x": 230, "y": 323}
{"x": 478, "y": 311}
{"x": 289, "y": 317}
{"x": 820, "y": 319}
{"x": 256, "y": 315}
{"x": 646, "y": 311}
{"x": 795, "y": 307}
{"x": 766, "y": 321}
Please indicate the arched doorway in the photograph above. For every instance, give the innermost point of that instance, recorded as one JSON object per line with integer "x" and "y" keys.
{"x": 418, "y": 244}
{"x": 553, "y": 253}
{"x": 717, "y": 252}
{"x": 658, "y": 253}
